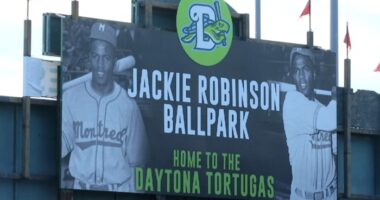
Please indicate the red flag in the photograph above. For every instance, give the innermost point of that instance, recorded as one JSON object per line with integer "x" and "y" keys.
{"x": 378, "y": 68}
{"x": 347, "y": 39}
{"x": 306, "y": 10}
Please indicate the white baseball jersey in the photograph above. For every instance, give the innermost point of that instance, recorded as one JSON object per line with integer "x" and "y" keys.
{"x": 308, "y": 127}
{"x": 105, "y": 135}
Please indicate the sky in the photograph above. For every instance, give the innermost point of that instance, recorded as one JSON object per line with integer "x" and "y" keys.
{"x": 280, "y": 21}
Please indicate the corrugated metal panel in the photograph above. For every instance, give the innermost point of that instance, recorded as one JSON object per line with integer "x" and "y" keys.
{"x": 43, "y": 154}
{"x": 364, "y": 116}
{"x": 6, "y": 189}
{"x": 364, "y": 165}
{"x": 44, "y": 141}
{"x": 10, "y": 126}
{"x": 10, "y": 152}
{"x": 35, "y": 190}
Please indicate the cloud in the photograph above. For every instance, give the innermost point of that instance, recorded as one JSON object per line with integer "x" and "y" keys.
{"x": 11, "y": 76}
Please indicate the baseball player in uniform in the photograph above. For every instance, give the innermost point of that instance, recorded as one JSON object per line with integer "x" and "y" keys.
{"x": 309, "y": 128}
{"x": 102, "y": 128}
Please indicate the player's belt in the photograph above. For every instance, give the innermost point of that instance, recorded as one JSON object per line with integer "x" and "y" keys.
{"x": 316, "y": 195}
{"x": 84, "y": 186}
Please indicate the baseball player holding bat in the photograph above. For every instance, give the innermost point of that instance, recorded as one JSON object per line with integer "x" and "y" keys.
{"x": 103, "y": 134}
{"x": 310, "y": 129}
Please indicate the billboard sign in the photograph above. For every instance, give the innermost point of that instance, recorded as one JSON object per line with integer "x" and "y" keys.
{"x": 140, "y": 115}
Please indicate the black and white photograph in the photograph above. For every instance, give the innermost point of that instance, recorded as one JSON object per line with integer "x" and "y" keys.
{"x": 103, "y": 132}
{"x": 310, "y": 129}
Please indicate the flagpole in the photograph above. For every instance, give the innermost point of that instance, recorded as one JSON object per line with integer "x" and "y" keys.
{"x": 27, "y": 32}
{"x": 347, "y": 44}
{"x": 27, "y": 9}
{"x": 309, "y": 15}
{"x": 347, "y": 119}
{"x": 309, "y": 35}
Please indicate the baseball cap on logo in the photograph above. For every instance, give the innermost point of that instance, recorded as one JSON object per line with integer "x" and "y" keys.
{"x": 105, "y": 32}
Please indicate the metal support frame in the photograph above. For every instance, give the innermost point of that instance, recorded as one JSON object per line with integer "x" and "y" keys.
{"x": 334, "y": 33}
{"x": 134, "y": 11}
{"x": 347, "y": 128}
{"x": 310, "y": 39}
{"x": 27, "y": 32}
{"x": 74, "y": 8}
{"x": 26, "y": 103}
{"x": 26, "y": 137}
{"x": 244, "y": 26}
{"x": 66, "y": 194}
{"x": 148, "y": 21}
{"x": 27, "y": 37}
{"x": 258, "y": 19}
{"x": 160, "y": 197}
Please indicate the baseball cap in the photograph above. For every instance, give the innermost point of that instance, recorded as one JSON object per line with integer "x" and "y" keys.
{"x": 301, "y": 51}
{"x": 103, "y": 31}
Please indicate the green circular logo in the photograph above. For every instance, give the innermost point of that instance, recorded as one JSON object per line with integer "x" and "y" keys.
{"x": 204, "y": 29}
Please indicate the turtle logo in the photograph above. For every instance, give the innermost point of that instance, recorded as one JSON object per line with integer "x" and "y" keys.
{"x": 207, "y": 27}
{"x": 205, "y": 30}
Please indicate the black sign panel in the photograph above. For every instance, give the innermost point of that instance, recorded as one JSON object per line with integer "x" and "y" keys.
{"x": 138, "y": 115}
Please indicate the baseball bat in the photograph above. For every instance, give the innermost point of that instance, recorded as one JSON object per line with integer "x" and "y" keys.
{"x": 120, "y": 66}
{"x": 124, "y": 64}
